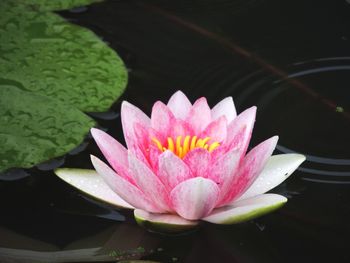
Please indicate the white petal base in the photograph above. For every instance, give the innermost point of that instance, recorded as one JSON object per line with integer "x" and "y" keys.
{"x": 278, "y": 168}
{"x": 247, "y": 209}
{"x": 91, "y": 183}
{"x": 163, "y": 223}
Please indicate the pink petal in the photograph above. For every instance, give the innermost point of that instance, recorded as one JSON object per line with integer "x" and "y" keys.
{"x": 142, "y": 137}
{"x": 155, "y": 134}
{"x": 199, "y": 116}
{"x": 172, "y": 170}
{"x": 127, "y": 191}
{"x": 91, "y": 183}
{"x": 222, "y": 171}
{"x": 154, "y": 151}
{"x": 251, "y": 167}
{"x": 217, "y": 130}
{"x": 179, "y": 105}
{"x": 113, "y": 151}
{"x": 195, "y": 198}
{"x": 130, "y": 114}
{"x": 161, "y": 118}
{"x": 277, "y": 169}
{"x": 153, "y": 157}
{"x": 240, "y": 130}
{"x": 146, "y": 150}
{"x": 225, "y": 108}
{"x": 139, "y": 154}
{"x": 180, "y": 128}
{"x": 198, "y": 161}
{"x": 149, "y": 183}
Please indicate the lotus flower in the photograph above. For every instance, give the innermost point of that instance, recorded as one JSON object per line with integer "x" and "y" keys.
{"x": 187, "y": 163}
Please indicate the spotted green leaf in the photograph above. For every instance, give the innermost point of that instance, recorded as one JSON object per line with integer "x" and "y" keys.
{"x": 53, "y": 5}
{"x": 42, "y": 53}
{"x": 35, "y": 128}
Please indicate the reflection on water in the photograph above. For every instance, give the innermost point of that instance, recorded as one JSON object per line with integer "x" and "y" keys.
{"x": 265, "y": 53}
{"x": 105, "y": 246}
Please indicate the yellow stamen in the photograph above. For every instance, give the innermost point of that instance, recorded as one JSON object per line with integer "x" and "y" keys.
{"x": 206, "y": 139}
{"x": 193, "y": 142}
{"x": 186, "y": 146}
{"x": 180, "y": 152}
{"x": 202, "y": 142}
{"x": 171, "y": 144}
{"x": 178, "y": 145}
{"x": 182, "y": 147}
{"x": 157, "y": 142}
{"x": 199, "y": 143}
{"x": 213, "y": 146}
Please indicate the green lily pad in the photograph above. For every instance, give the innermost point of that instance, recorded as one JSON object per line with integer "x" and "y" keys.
{"x": 50, "y": 71}
{"x": 42, "y": 53}
{"x": 35, "y": 128}
{"x": 55, "y": 5}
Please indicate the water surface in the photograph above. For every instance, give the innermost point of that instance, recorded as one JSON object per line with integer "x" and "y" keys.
{"x": 291, "y": 59}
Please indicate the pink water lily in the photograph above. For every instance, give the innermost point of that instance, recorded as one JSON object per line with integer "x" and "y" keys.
{"x": 186, "y": 163}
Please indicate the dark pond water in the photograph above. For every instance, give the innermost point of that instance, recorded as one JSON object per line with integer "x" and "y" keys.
{"x": 290, "y": 58}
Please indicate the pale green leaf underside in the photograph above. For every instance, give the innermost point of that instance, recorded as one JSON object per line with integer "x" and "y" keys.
{"x": 165, "y": 223}
{"x": 247, "y": 209}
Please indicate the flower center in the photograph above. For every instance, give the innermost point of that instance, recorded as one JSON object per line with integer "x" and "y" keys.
{"x": 182, "y": 147}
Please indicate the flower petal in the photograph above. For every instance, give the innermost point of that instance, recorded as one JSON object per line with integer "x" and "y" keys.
{"x": 180, "y": 128}
{"x": 243, "y": 122}
{"x": 130, "y": 114}
{"x": 127, "y": 191}
{"x": 172, "y": 170}
{"x": 198, "y": 161}
{"x": 222, "y": 171}
{"x": 149, "y": 183}
{"x": 277, "y": 169}
{"x": 142, "y": 140}
{"x": 194, "y": 198}
{"x": 91, "y": 183}
{"x": 199, "y": 116}
{"x": 246, "y": 209}
{"x": 142, "y": 136}
{"x": 161, "y": 118}
{"x": 163, "y": 223}
{"x": 113, "y": 151}
{"x": 216, "y": 130}
{"x": 251, "y": 167}
{"x": 225, "y": 108}
{"x": 179, "y": 105}
{"x": 153, "y": 156}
